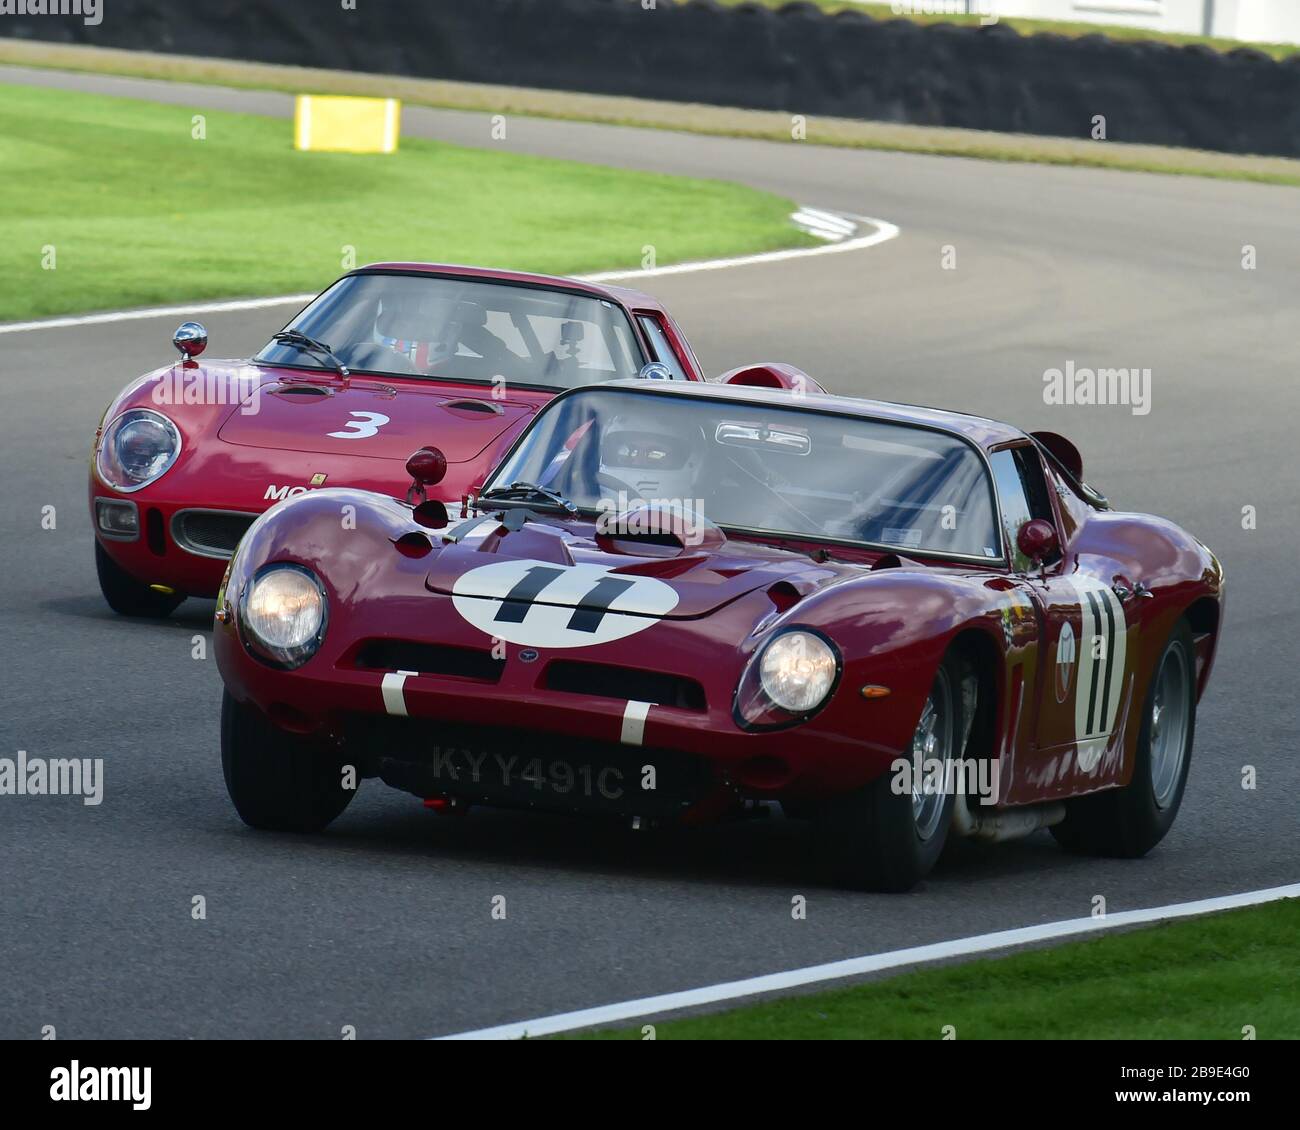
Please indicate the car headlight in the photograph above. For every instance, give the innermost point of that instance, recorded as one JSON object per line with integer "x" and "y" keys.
{"x": 137, "y": 448}
{"x": 283, "y": 613}
{"x": 797, "y": 671}
{"x": 791, "y": 678}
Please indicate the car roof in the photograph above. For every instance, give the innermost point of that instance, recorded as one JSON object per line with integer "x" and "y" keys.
{"x": 621, "y": 295}
{"x": 977, "y": 429}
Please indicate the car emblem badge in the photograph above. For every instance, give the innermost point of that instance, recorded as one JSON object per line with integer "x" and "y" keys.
{"x": 318, "y": 479}
{"x": 528, "y": 655}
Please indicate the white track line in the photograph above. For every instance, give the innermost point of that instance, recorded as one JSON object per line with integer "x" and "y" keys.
{"x": 873, "y": 963}
{"x": 884, "y": 231}
{"x": 157, "y": 312}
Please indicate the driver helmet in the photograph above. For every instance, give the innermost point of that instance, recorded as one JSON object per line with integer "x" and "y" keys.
{"x": 661, "y": 468}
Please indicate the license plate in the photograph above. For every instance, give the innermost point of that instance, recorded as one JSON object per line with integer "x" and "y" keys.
{"x": 479, "y": 770}
{"x": 517, "y": 768}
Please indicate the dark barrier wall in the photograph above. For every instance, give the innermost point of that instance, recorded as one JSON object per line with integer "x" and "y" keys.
{"x": 795, "y": 59}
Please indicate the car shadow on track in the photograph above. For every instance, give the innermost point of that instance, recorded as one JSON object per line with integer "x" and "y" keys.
{"x": 193, "y": 613}
{"x": 771, "y": 852}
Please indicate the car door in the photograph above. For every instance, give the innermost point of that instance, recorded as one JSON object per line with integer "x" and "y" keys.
{"x": 1084, "y": 670}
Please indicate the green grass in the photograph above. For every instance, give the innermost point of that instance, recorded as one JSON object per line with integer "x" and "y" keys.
{"x": 138, "y": 212}
{"x": 1205, "y": 978}
{"x": 1026, "y": 26}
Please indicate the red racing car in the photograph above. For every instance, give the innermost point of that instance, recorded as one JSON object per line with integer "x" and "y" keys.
{"x": 390, "y": 357}
{"x": 673, "y": 601}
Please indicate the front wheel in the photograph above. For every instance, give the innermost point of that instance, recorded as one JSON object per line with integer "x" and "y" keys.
{"x": 1128, "y": 822}
{"x": 128, "y": 597}
{"x": 879, "y": 839}
{"x": 279, "y": 781}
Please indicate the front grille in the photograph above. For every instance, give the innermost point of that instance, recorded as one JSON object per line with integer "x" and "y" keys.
{"x": 429, "y": 659}
{"x": 210, "y": 533}
{"x": 576, "y": 677}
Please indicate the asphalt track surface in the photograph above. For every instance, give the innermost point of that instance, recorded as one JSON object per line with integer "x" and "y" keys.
{"x": 384, "y": 922}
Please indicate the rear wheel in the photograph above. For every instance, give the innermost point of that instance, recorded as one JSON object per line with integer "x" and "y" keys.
{"x": 1129, "y": 821}
{"x": 128, "y": 597}
{"x": 279, "y": 781}
{"x": 881, "y": 840}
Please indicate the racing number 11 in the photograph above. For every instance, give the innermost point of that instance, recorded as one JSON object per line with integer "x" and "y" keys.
{"x": 516, "y": 603}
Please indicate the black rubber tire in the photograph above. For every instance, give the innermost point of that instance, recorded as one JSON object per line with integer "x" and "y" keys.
{"x": 278, "y": 781}
{"x": 868, "y": 839}
{"x": 128, "y": 597}
{"x": 1126, "y": 823}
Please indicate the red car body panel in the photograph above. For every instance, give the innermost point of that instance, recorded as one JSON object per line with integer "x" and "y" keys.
{"x": 892, "y": 618}
{"x": 241, "y": 464}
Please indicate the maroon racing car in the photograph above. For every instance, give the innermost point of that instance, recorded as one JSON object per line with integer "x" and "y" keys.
{"x": 389, "y": 357}
{"x": 672, "y": 602}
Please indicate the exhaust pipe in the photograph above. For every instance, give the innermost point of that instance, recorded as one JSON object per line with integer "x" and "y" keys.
{"x": 1006, "y": 823}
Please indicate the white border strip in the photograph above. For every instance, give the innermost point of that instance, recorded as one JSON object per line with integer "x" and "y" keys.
{"x": 884, "y": 232}
{"x": 873, "y": 963}
{"x": 393, "y": 688}
{"x": 634, "y": 716}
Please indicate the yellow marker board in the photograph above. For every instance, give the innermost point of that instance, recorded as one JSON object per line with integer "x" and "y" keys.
{"x": 347, "y": 125}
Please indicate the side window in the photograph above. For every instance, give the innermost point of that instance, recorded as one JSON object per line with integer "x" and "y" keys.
{"x": 663, "y": 349}
{"x": 1022, "y": 492}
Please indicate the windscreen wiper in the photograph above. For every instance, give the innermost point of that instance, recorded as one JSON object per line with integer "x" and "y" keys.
{"x": 300, "y": 340}
{"x": 522, "y": 490}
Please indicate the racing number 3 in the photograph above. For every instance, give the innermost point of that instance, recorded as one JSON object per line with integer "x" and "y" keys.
{"x": 586, "y": 618}
{"x": 365, "y": 425}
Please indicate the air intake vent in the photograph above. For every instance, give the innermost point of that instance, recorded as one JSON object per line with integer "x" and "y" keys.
{"x": 429, "y": 659}
{"x": 624, "y": 683}
{"x": 210, "y": 533}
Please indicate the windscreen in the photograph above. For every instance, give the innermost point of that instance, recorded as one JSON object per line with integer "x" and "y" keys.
{"x": 447, "y": 328}
{"x": 778, "y": 470}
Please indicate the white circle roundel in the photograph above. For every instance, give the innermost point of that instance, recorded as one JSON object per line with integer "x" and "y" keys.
{"x": 542, "y": 604}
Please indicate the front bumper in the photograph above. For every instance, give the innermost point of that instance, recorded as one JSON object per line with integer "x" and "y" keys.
{"x": 178, "y": 545}
{"x": 422, "y": 732}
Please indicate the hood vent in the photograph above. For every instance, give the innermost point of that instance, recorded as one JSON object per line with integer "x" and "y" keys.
{"x": 483, "y": 407}
{"x": 300, "y": 390}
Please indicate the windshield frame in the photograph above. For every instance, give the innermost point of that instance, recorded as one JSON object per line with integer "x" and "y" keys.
{"x": 1001, "y": 562}
{"x": 488, "y": 280}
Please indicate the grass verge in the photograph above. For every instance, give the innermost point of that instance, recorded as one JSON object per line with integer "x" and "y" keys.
{"x": 129, "y": 209}
{"x": 682, "y": 116}
{"x": 1204, "y": 978}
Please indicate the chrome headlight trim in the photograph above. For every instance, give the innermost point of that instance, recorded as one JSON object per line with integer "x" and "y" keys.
{"x": 109, "y": 436}
{"x": 288, "y": 658}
